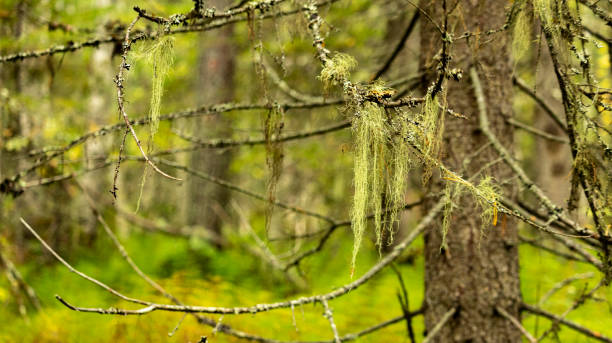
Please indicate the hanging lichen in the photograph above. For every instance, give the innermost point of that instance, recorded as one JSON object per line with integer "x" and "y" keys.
{"x": 485, "y": 194}
{"x": 369, "y": 140}
{"x": 430, "y": 128}
{"x": 521, "y": 34}
{"x": 161, "y": 56}
{"x": 337, "y": 69}
{"x": 401, "y": 161}
{"x": 451, "y": 193}
{"x": 543, "y": 9}
{"x": 273, "y": 125}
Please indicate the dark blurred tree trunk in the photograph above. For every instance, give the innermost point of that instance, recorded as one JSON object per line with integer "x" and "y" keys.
{"x": 13, "y": 126}
{"x": 553, "y": 159}
{"x": 207, "y": 202}
{"x": 477, "y": 272}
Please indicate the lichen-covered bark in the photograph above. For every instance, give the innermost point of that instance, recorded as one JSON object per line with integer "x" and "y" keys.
{"x": 479, "y": 270}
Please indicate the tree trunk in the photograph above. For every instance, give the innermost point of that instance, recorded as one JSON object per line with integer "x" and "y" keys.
{"x": 207, "y": 201}
{"x": 478, "y": 269}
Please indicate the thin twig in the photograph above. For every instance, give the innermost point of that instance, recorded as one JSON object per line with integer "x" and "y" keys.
{"x": 445, "y": 318}
{"x": 572, "y": 325}
{"x": 119, "y": 79}
{"x": 516, "y": 323}
{"x": 330, "y": 317}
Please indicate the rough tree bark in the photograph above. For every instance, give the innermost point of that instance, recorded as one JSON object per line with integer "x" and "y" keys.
{"x": 479, "y": 270}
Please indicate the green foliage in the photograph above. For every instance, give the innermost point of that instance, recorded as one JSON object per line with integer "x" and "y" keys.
{"x": 337, "y": 69}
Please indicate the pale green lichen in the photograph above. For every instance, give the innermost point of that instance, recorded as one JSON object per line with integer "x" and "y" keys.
{"x": 161, "y": 56}
{"x": 521, "y": 34}
{"x": 401, "y": 163}
{"x": 369, "y": 133}
{"x": 488, "y": 200}
{"x": 273, "y": 124}
{"x": 337, "y": 69}
{"x": 430, "y": 129}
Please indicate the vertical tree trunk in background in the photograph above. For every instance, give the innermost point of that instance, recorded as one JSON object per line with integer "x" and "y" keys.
{"x": 478, "y": 272}
{"x": 553, "y": 158}
{"x": 13, "y": 123}
{"x": 206, "y": 202}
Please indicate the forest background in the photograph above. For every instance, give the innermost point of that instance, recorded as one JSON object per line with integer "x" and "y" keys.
{"x": 212, "y": 244}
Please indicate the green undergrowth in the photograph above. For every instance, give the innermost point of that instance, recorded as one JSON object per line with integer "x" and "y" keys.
{"x": 198, "y": 274}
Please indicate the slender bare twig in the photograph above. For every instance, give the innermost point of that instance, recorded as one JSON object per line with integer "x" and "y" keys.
{"x": 236, "y": 188}
{"x": 600, "y": 12}
{"x": 558, "y": 286}
{"x": 398, "y": 47}
{"x": 525, "y": 89}
{"x": 226, "y": 143}
{"x": 72, "y": 269}
{"x": 537, "y": 131}
{"x": 572, "y": 325}
{"x": 516, "y": 324}
{"x": 445, "y": 318}
{"x": 330, "y": 317}
{"x": 578, "y": 302}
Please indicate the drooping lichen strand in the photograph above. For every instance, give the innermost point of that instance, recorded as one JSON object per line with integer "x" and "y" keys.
{"x": 451, "y": 193}
{"x": 543, "y": 9}
{"x": 430, "y": 128}
{"x": 369, "y": 133}
{"x": 337, "y": 69}
{"x": 161, "y": 57}
{"x": 273, "y": 125}
{"x": 401, "y": 160}
{"x": 521, "y": 34}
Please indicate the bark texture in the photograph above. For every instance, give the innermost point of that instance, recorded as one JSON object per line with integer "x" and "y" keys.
{"x": 479, "y": 270}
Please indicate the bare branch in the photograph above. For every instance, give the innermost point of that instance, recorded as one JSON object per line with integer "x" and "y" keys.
{"x": 572, "y": 325}
{"x": 516, "y": 323}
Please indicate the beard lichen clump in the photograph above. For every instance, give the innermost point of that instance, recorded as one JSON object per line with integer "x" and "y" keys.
{"x": 485, "y": 194}
{"x": 161, "y": 56}
{"x": 382, "y": 160}
{"x": 369, "y": 140}
{"x": 337, "y": 69}
{"x": 429, "y": 127}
